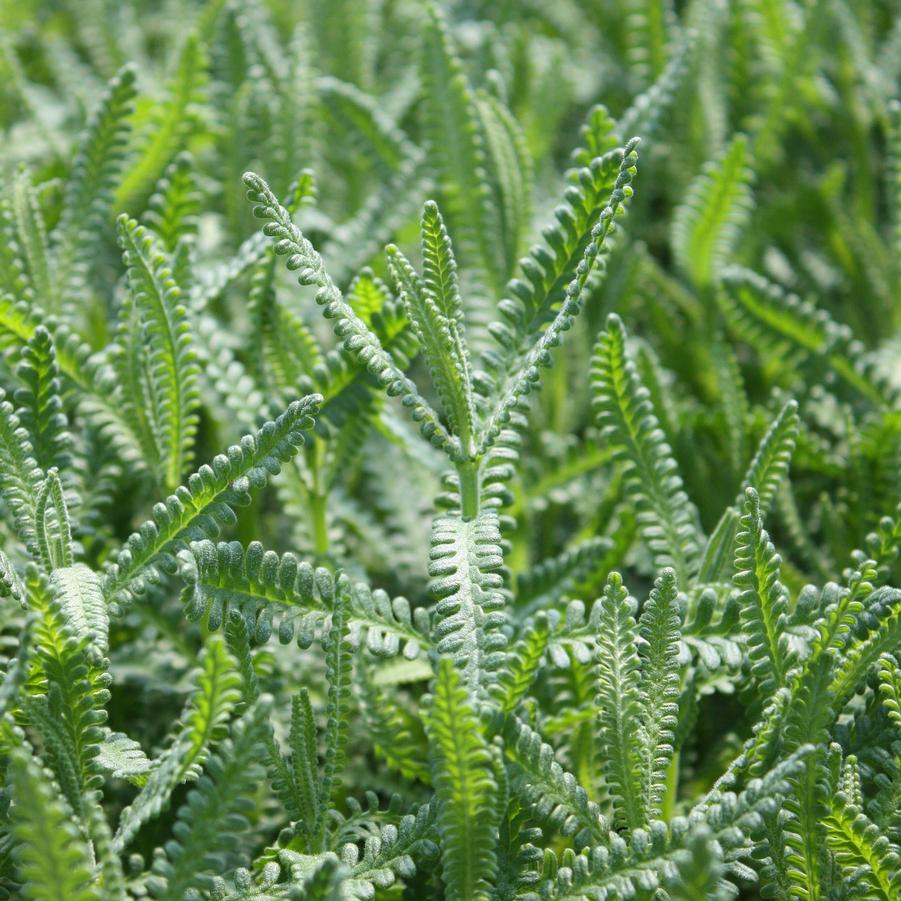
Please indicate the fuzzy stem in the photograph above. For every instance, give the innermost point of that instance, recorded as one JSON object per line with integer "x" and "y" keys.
{"x": 469, "y": 488}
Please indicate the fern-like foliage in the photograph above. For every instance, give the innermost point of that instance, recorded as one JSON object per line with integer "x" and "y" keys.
{"x": 526, "y": 374}
{"x": 763, "y": 600}
{"x": 771, "y": 461}
{"x": 53, "y": 860}
{"x": 293, "y": 598}
{"x": 776, "y": 321}
{"x": 620, "y": 865}
{"x": 203, "y": 724}
{"x": 35, "y": 258}
{"x": 170, "y": 369}
{"x": 869, "y": 863}
{"x": 464, "y": 700}
{"x": 39, "y": 402}
{"x": 89, "y": 190}
{"x": 469, "y": 610}
{"x": 432, "y": 303}
{"x": 466, "y": 791}
{"x": 458, "y": 144}
{"x": 619, "y": 701}
{"x": 339, "y": 671}
{"x": 660, "y": 628}
{"x": 205, "y": 503}
{"x": 624, "y": 411}
{"x": 168, "y": 130}
{"x": 707, "y": 224}
{"x": 220, "y": 799}
{"x": 637, "y": 699}
{"x": 19, "y": 472}
{"x": 358, "y": 339}
{"x": 890, "y": 687}
{"x": 529, "y": 303}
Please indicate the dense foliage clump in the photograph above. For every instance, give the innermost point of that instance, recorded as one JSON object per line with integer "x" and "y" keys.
{"x": 326, "y": 573}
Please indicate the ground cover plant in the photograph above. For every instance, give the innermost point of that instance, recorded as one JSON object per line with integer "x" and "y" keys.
{"x": 327, "y": 573}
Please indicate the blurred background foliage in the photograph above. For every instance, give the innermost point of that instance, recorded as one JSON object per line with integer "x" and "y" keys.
{"x": 760, "y": 260}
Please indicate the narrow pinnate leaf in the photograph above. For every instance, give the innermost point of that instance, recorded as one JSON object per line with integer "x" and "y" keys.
{"x": 659, "y": 628}
{"x": 619, "y": 703}
{"x": 89, "y": 199}
{"x": 465, "y": 788}
{"x": 469, "y": 606}
{"x": 626, "y": 415}
{"x": 357, "y": 338}
{"x": 763, "y": 599}
{"x": 339, "y": 670}
{"x": 171, "y": 366}
{"x": 707, "y": 224}
{"x": 771, "y": 462}
{"x": 52, "y": 858}
{"x": 432, "y": 304}
{"x": 206, "y": 502}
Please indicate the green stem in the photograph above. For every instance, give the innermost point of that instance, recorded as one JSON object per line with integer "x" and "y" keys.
{"x": 672, "y": 788}
{"x": 320, "y": 525}
{"x": 318, "y": 500}
{"x": 469, "y": 488}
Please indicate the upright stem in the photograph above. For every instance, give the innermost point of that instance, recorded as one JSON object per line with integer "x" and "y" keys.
{"x": 672, "y": 788}
{"x": 320, "y": 525}
{"x": 319, "y": 520}
{"x": 469, "y": 488}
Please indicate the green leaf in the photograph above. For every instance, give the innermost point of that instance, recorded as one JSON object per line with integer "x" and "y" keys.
{"x": 339, "y": 673}
{"x": 649, "y": 26}
{"x": 509, "y": 172}
{"x": 39, "y": 403}
{"x": 549, "y": 582}
{"x": 894, "y": 170}
{"x": 456, "y": 145}
{"x": 465, "y": 788}
{"x": 88, "y": 199}
{"x": 32, "y": 235}
{"x": 77, "y": 589}
{"x": 522, "y": 665}
{"x": 707, "y": 224}
{"x": 619, "y": 706}
{"x": 864, "y": 855}
{"x": 666, "y": 517}
{"x": 433, "y": 305}
{"x": 783, "y": 326}
{"x": 292, "y": 597}
{"x": 525, "y": 376}
{"x": 203, "y": 725}
{"x": 19, "y": 473}
{"x": 890, "y": 687}
{"x": 773, "y": 457}
{"x": 554, "y": 794}
{"x": 166, "y": 350}
{"x": 205, "y": 504}
{"x": 123, "y": 758}
{"x": 700, "y": 873}
{"x": 357, "y": 338}
{"x": 304, "y": 768}
{"x": 52, "y": 858}
{"x": 168, "y": 128}
{"x": 172, "y": 209}
{"x": 212, "y": 821}
{"x": 53, "y": 529}
{"x": 531, "y": 302}
{"x": 396, "y": 732}
{"x": 659, "y": 628}
{"x": 469, "y": 612}
{"x": 763, "y": 601}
